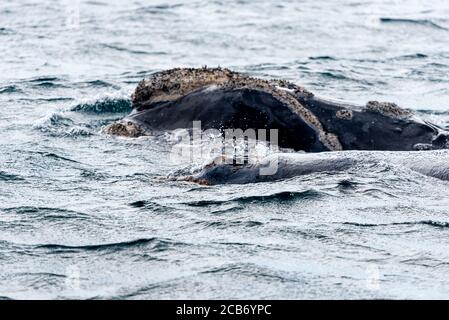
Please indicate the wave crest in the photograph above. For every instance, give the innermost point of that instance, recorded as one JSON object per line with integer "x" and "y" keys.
{"x": 284, "y": 196}
{"x": 418, "y": 22}
{"x": 105, "y": 105}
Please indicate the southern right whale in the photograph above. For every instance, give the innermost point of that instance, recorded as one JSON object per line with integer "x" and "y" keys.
{"x": 223, "y": 99}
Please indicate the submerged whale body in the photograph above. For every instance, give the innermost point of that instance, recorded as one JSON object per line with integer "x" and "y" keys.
{"x": 289, "y": 165}
{"x": 223, "y": 99}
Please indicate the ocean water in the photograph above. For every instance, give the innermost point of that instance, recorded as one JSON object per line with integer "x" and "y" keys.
{"x": 85, "y": 215}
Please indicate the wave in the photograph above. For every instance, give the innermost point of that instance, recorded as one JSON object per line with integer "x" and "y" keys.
{"x": 100, "y": 83}
{"x": 46, "y": 82}
{"x": 49, "y": 85}
{"x": 150, "y": 205}
{"x": 227, "y": 224}
{"x": 433, "y": 112}
{"x": 59, "y": 124}
{"x": 6, "y": 31}
{"x": 159, "y": 9}
{"x": 43, "y": 79}
{"x": 435, "y": 223}
{"x": 250, "y": 269}
{"x": 118, "y": 48}
{"x": 78, "y": 132}
{"x": 411, "y": 56}
{"x": 55, "y": 119}
{"x": 10, "y": 89}
{"x": 431, "y": 223}
{"x": 322, "y": 58}
{"x": 347, "y": 184}
{"x": 284, "y": 196}
{"x": 420, "y": 22}
{"x": 54, "y": 99}
{"x": 42, "y": 274}
{"x": 106, "y": 105}
{"x": 155, "y": 243}
{"x": 54, "y": 156}
{"x": 46, "y": 213}
{"x": 140, "y": 204}
{"x": 4, "y": 176}
{"x": 333, "y": 75}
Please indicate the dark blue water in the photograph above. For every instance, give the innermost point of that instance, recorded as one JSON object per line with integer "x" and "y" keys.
{"x": 84, "y": 215}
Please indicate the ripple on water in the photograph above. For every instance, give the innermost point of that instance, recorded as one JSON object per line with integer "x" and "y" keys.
{"x": 47, "y": 82}
{"x": 45, "y": 213}
{"x": 430, "y": 223}
{"x": 10, "y": 89}
{"x": 284, "y": 196}
{"x": 6, "y": 31}
{"x": 151, "y": 206}
{"x": 5, "y": 176}
{"x": 150, "y": 244}
{"x": 225, "y": 224}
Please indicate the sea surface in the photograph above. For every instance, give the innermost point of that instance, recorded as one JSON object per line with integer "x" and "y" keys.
{"x": 86, "y": 215}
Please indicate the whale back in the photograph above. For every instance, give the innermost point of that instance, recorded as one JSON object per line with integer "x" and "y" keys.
{"x": 225, "y": 109}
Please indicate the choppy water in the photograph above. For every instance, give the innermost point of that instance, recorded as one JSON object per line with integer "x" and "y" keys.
{"x": 83, "y": 215}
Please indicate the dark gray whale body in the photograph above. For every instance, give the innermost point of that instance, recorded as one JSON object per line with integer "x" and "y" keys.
{"x": 224, "y": 108}
{"x": 377, "y": 126}
{"x": 222, "y": 99}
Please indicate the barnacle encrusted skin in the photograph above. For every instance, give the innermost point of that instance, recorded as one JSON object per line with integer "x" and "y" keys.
{"x": 388, "y": 109}
{"x": 193, "y": 179}
{"x": 344, "y": 114}
{"x": 175, "y": 83}
{"x": 125, "y": 129}
{"x": 423, "y": 147}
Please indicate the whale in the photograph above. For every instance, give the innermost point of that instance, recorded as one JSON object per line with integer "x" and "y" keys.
{"x": 219, "y": 98}
{"x": 434, "y": 164}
